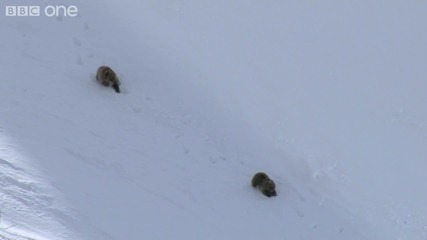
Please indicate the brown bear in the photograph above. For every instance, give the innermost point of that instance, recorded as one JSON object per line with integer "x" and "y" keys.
{"x": 264, "y": 184}
{"x": 107, "y": 77}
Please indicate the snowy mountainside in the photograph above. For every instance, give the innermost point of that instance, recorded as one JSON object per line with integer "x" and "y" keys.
{"x": 328, "y": 99}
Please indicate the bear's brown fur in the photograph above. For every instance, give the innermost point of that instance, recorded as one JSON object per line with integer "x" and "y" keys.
{"x": 264, "y": 184}
{"x": 107, "y": 77}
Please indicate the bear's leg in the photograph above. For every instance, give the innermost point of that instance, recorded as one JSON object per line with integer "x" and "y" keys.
{"x": 116, "y": 87}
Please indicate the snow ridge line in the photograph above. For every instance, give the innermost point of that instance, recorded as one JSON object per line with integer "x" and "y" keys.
{"x": 19, "y": 196}
{"x": 24, "y": 196}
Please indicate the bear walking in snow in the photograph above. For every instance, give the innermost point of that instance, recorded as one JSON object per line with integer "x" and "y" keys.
{"x": 107, "y": 77}
{"x": 264, "y": 184}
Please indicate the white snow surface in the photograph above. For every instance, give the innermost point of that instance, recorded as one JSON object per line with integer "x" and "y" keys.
{"x": 329, "y": 98}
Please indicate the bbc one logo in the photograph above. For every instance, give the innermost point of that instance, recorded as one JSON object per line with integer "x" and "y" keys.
{"x": 35, "y": 11}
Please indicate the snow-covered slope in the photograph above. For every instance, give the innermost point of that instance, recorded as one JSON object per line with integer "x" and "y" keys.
{"x": 329, "y": 99}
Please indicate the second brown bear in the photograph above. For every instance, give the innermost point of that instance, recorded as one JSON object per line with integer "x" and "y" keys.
{"x": 264, "y": 184}
{"x": 107, "y": 77}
